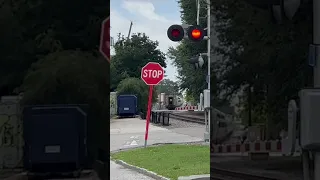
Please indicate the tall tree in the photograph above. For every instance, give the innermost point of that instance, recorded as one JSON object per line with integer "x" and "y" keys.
{"x": 258, "y": 52}
{"x": 32, "y": 29}
{"x": 132, "y": 54}
{"x": 169, "y": 87}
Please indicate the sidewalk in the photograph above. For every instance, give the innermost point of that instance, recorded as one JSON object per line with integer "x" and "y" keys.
{"x": 117, "y": 172}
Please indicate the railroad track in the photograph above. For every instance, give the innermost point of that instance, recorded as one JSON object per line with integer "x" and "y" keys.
{"x": 198, "y": 120}
{"x": 224, "y": 174}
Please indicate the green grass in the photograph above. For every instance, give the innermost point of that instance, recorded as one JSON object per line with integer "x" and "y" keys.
{"x": 170, "y": 161}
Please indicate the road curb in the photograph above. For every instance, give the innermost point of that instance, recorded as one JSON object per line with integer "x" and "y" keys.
{"x": 141, "y": 170}
{"x": 195, "y": 177}
{"x": 161, "y": 144}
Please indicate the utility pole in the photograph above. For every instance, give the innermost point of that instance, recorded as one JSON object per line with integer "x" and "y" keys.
{"x": 209, "y": 67}
{"x": 207, "y": 111}
{"x": 198, "y": 12}
{"x": 316, "y": 71}
{"x": 130, "y": 30}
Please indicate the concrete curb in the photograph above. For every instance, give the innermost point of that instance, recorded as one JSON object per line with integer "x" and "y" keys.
{"x": 161, "y": 144}
{"x": 141, "y": 170}
{"x": 195, "y": 177}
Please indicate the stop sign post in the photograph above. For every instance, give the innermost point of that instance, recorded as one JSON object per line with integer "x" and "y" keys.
{"x": 152, "y": 74}
{"x": 105, "y": 39}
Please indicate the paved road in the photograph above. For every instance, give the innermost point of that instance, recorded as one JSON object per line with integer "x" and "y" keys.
{"x": 128, "y": 133}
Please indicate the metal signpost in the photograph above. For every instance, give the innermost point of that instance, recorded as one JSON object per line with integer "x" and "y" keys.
{"x": 152, "y": 74}
{"x": 208, "y": 109}
{"x": 105, "y": 39}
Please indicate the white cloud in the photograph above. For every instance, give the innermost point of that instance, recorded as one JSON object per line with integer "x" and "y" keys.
{"x": 145, "y": 9}
{"x": 144, "y": 20}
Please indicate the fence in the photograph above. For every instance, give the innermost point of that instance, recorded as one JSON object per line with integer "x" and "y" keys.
{"x": 113, "y": 104}
{"x": 11, "y": 135}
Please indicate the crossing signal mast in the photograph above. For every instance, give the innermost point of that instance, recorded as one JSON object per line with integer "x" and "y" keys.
{"x": 194, "y": 33}
{"x": 176, "y": 33}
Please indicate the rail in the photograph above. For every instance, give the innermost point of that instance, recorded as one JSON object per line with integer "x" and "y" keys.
{"x": 199, "y": 120}
{"x": 225, "y": 174}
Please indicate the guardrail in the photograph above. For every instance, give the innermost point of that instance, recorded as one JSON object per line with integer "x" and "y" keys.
{"x": 199, "y": 120}
{"x": 257, "y": 146}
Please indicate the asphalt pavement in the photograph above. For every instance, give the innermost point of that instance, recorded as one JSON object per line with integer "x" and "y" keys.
{"x": 117, "y": 172}
{"x": 130, "y": 132}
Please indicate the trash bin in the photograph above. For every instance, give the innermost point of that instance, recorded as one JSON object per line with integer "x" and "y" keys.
{"x": 165, "y": 119}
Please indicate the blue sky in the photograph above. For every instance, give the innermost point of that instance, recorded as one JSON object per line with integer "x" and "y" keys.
{"x": 152, "y": 17}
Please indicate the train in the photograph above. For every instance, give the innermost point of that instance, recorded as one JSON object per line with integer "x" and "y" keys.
{"x": 169, "y": 101}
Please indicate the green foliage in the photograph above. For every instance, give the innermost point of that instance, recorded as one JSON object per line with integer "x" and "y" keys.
{"x": 116, "y": 74}
{"x": 169, "y": 87}
{"x": 135, "y": 86}
{"x": 49, "y": 50}
{"x": 257, "y": 51}
{"x": 132, "y": 54}
{"x": 31, "y": 30}
{"x": 67, "y": 77}
{"x": 189, "y": 98}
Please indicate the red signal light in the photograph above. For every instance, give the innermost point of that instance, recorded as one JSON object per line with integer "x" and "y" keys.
{"x": 195, "y": 33}
{"x": 175, "y": 33}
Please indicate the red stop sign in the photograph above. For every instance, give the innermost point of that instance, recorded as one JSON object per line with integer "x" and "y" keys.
{"x": 152, "y": 73}
{"x": 105, "y": 39}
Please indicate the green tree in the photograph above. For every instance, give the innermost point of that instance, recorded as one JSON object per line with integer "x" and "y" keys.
{"x": 116, "y": 75}
{"x": 33, "y": 29}
{"x": 132, "y": 54}
{"x": 189, "y": 98}
{"x": 67, "y": 77}
{"x": 135, "y": 86}
{"x": 267, "y": 56}
{"x": 169, "y": 87}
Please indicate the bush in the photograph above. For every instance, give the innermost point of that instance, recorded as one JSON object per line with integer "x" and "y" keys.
{"x": 135, "y": 86}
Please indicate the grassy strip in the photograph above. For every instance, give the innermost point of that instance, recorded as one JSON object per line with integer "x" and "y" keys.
{"x": 170, "y": 161}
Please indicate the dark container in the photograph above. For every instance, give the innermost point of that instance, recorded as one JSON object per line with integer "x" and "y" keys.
{"x": 127, "y": 105}
{"x": 55, "y": 138}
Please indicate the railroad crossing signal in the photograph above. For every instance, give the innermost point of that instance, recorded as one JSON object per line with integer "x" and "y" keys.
{"x": 105, "y": 39}
{"x": 175, "y": 33}
{"x": 194, "y": 33}
{"x": 152, "y": 73}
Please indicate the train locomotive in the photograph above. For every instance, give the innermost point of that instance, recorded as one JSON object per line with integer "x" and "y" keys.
{"x": 170, "y": 101}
